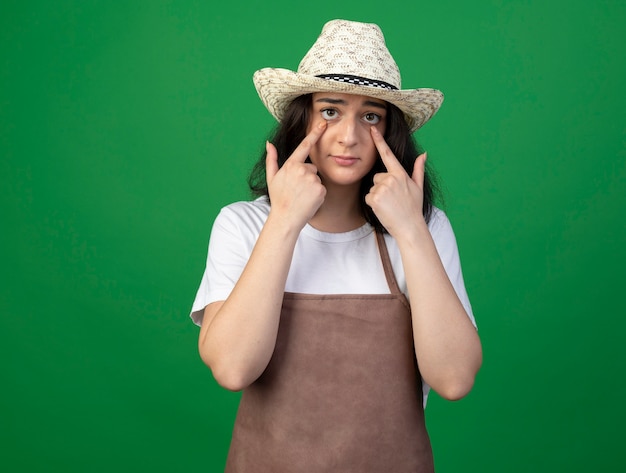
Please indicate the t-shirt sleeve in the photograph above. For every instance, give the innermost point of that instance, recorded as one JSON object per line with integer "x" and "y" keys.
{"x": 227, "y": 255}
{"x": 445, "y": 241}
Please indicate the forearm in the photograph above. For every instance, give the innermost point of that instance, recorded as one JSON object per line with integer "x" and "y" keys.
{"x": 447, "y": 346}
{"x": 237, "y": 340}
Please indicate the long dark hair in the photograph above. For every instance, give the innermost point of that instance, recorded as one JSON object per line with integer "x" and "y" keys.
{"x": 292, "y": 130}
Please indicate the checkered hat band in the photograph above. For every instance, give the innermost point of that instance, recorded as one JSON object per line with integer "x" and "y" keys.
{"x": 356, "y": 80}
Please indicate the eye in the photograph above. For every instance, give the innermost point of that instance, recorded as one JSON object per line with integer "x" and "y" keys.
{"x": 329, "y": 113}
{"x": 372, "y": 118}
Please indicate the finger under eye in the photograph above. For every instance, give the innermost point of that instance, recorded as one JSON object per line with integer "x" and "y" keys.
{"x": 301, "y": 153}
{"x": 379, "y": 139}
{"x": 389, "y": 159}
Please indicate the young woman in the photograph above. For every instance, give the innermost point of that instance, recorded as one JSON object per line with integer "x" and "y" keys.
{"x": 335, "y": 300}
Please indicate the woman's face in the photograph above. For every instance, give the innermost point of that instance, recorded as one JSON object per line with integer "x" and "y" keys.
{"x": 345, "y": 153}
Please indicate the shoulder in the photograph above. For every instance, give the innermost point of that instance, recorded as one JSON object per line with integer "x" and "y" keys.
{"x": 244, "y": 215}
{"x": 439, "y": 224}
{"x": 236, "y": 230}
{"x": 243, "y": 209}
{"x": 442, "y": 233}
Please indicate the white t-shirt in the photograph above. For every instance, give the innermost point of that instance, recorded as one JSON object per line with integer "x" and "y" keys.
{"x": 322, "y": 263}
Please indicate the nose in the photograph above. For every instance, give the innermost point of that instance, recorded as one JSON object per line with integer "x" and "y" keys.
{"x": 348, "y": 132}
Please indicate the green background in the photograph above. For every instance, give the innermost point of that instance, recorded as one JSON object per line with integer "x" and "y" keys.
{"x": 125, "y": 126}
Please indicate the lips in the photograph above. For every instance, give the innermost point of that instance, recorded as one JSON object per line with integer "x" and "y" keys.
{"x": 345, "y": 160}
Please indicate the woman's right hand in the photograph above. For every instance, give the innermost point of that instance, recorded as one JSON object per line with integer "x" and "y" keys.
{"x": 238, "y": 335}
{"x": 296, "y": 191}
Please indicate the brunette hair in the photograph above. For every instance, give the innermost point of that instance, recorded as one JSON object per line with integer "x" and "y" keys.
{"x": 291, "y": 131}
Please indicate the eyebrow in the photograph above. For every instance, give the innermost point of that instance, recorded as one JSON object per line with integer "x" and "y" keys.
{"x": 368, "y": 103}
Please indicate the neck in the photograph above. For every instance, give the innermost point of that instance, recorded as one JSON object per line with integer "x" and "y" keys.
{"x": 340, "y": 212}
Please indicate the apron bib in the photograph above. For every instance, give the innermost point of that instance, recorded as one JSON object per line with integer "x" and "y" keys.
{"x": 342, "y": 392}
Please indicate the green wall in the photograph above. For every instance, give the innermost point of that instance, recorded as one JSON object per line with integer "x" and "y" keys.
{"x": 125, "y": 126}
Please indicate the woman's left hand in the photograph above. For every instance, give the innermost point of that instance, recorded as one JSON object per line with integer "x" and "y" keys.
{"x": 447, "y": 347}
{"x": 396, "y": 198}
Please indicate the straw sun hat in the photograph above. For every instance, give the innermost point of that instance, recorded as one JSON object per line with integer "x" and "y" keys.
{"x": 351, "y": 58}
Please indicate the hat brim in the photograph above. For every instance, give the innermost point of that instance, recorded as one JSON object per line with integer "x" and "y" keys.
{"x": 277, "y": 88}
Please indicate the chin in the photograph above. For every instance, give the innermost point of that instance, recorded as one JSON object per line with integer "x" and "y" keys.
{"x": 343, "y": 182}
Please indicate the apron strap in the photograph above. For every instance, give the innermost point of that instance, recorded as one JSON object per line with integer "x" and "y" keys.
{"x": 384, "y": 256}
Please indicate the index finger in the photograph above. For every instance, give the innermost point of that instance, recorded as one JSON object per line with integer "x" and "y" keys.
{"x": 301, "y": 153}
{"x": 389, "y": 159}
